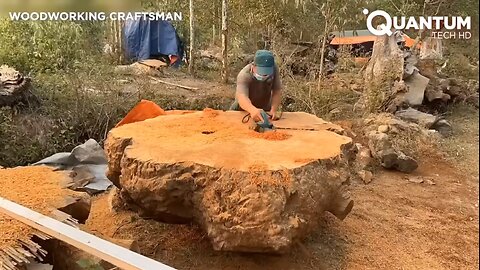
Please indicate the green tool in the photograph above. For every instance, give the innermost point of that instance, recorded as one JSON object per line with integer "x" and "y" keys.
{"x": 263, "y": 125}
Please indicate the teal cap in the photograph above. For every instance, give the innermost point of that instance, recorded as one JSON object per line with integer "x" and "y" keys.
{"x": 265, "y": 62}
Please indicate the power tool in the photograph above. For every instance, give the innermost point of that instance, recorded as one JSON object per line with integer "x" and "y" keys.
{"x": 260, "y": 126}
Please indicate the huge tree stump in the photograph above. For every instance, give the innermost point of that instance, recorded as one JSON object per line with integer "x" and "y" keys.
{"x": 253, "y": 192}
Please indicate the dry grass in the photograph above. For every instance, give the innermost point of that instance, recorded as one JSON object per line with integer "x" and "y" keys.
{"x": 462, "y": 148}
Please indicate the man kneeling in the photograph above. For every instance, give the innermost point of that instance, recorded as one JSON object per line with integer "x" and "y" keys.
{"x": 259, "y": 87}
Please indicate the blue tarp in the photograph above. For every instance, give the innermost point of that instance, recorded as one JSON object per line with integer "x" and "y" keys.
{"x": 145, "y": 39}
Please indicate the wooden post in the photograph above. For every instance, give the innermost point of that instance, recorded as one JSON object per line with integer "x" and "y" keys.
{"x": 114, "y": 254}
{"x": 224, "y": 41}
{"x": 191, "y": 66}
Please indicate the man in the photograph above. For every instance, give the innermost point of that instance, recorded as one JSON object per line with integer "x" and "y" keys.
{"x": 259, "y": 87}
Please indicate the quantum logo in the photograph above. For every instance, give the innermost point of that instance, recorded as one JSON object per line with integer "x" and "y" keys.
{"x": 404, "y": 23}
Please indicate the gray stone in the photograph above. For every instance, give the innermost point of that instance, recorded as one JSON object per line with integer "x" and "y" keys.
{"x": 423, "y": 119}
{"x": 406, "y": 164}
{"x": 416, "y": 88}
{"x": 443, "y": 127}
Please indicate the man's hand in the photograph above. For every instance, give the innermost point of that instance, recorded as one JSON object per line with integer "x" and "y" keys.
{"x": 256, "y": 115}
{"x": 273, "y": 115}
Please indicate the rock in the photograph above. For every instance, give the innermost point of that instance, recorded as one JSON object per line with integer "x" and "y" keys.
{"x": 427, "y": 68}
{"x": 209, "y": 168}
{"x": 429, "y": 181}
{"x": 433, "y": 93}
{"x": 416, "y": 88}
{"x": 415, "y": 179}
{"x": 423, "y": 119}
{"x": 378, "y": 143}
{"x": 363, "y": 159}
{"x": 397, "y": 126}
{"x": 366, "y": 176}
{"x": 443, "y": 127}
{"x": 390, "y": 158}
{"x": 383, "y": 128}
{"x": 421, "y": 180}
{"x": 405, "y": 163}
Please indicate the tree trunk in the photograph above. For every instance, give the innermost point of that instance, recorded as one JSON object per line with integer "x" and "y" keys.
{"x": 224, "y": 41}
{"x": 383, "y": 75}
{"x": 191, "y": 65}
{"x": 210, "y": 168}
{"x": 213, "y": 34}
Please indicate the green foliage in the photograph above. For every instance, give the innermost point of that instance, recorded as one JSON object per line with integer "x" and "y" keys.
{"x": 48, "y": 46}
{"x": 75, "y": 108}
{"x": 81, "y": 98}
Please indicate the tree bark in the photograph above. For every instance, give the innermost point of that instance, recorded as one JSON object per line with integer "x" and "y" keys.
{"x": 191, "y": 65}
{"x": 225, "y": 41}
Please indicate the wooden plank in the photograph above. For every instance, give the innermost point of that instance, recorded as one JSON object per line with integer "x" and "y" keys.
{"x": 116, "y": 255}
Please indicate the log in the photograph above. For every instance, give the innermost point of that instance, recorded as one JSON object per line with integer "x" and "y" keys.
{"x": 13, "y": 86}
{"x": 251, "y": 192}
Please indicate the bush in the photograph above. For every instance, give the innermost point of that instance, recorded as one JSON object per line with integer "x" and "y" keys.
{"x": 76, "y": 107}
{"x": 48, "y": 46}
{"x": 333, "y": 101}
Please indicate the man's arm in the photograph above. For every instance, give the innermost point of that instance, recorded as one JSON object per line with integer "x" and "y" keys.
{"x": 276, "y": 94}
{"x": 244, "y": 101}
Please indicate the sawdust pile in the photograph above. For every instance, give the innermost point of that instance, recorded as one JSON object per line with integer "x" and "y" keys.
{"x": 38, "y": 188}
{"x": 151, "y": 236}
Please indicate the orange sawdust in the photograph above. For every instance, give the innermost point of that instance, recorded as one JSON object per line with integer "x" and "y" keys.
{"x": 144, "y": 110}
{"x": 38, "y": 188}
{"x": 210, "y": 112}
{"x": 150, "y": 235}
{"x": 271, "y": 135}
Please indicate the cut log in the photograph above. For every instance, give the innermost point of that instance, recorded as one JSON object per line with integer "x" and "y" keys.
{"x": 252, "y": 192}
{"x": 13, "y": 86}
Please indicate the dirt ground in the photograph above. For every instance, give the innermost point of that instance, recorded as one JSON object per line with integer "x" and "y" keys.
{"x": 395, "y": 223}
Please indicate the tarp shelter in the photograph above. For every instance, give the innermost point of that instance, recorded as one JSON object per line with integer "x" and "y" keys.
{"x": 352, "y": 37}
{"x": 148, "y": 39}
{"x": 361, "y": 41}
